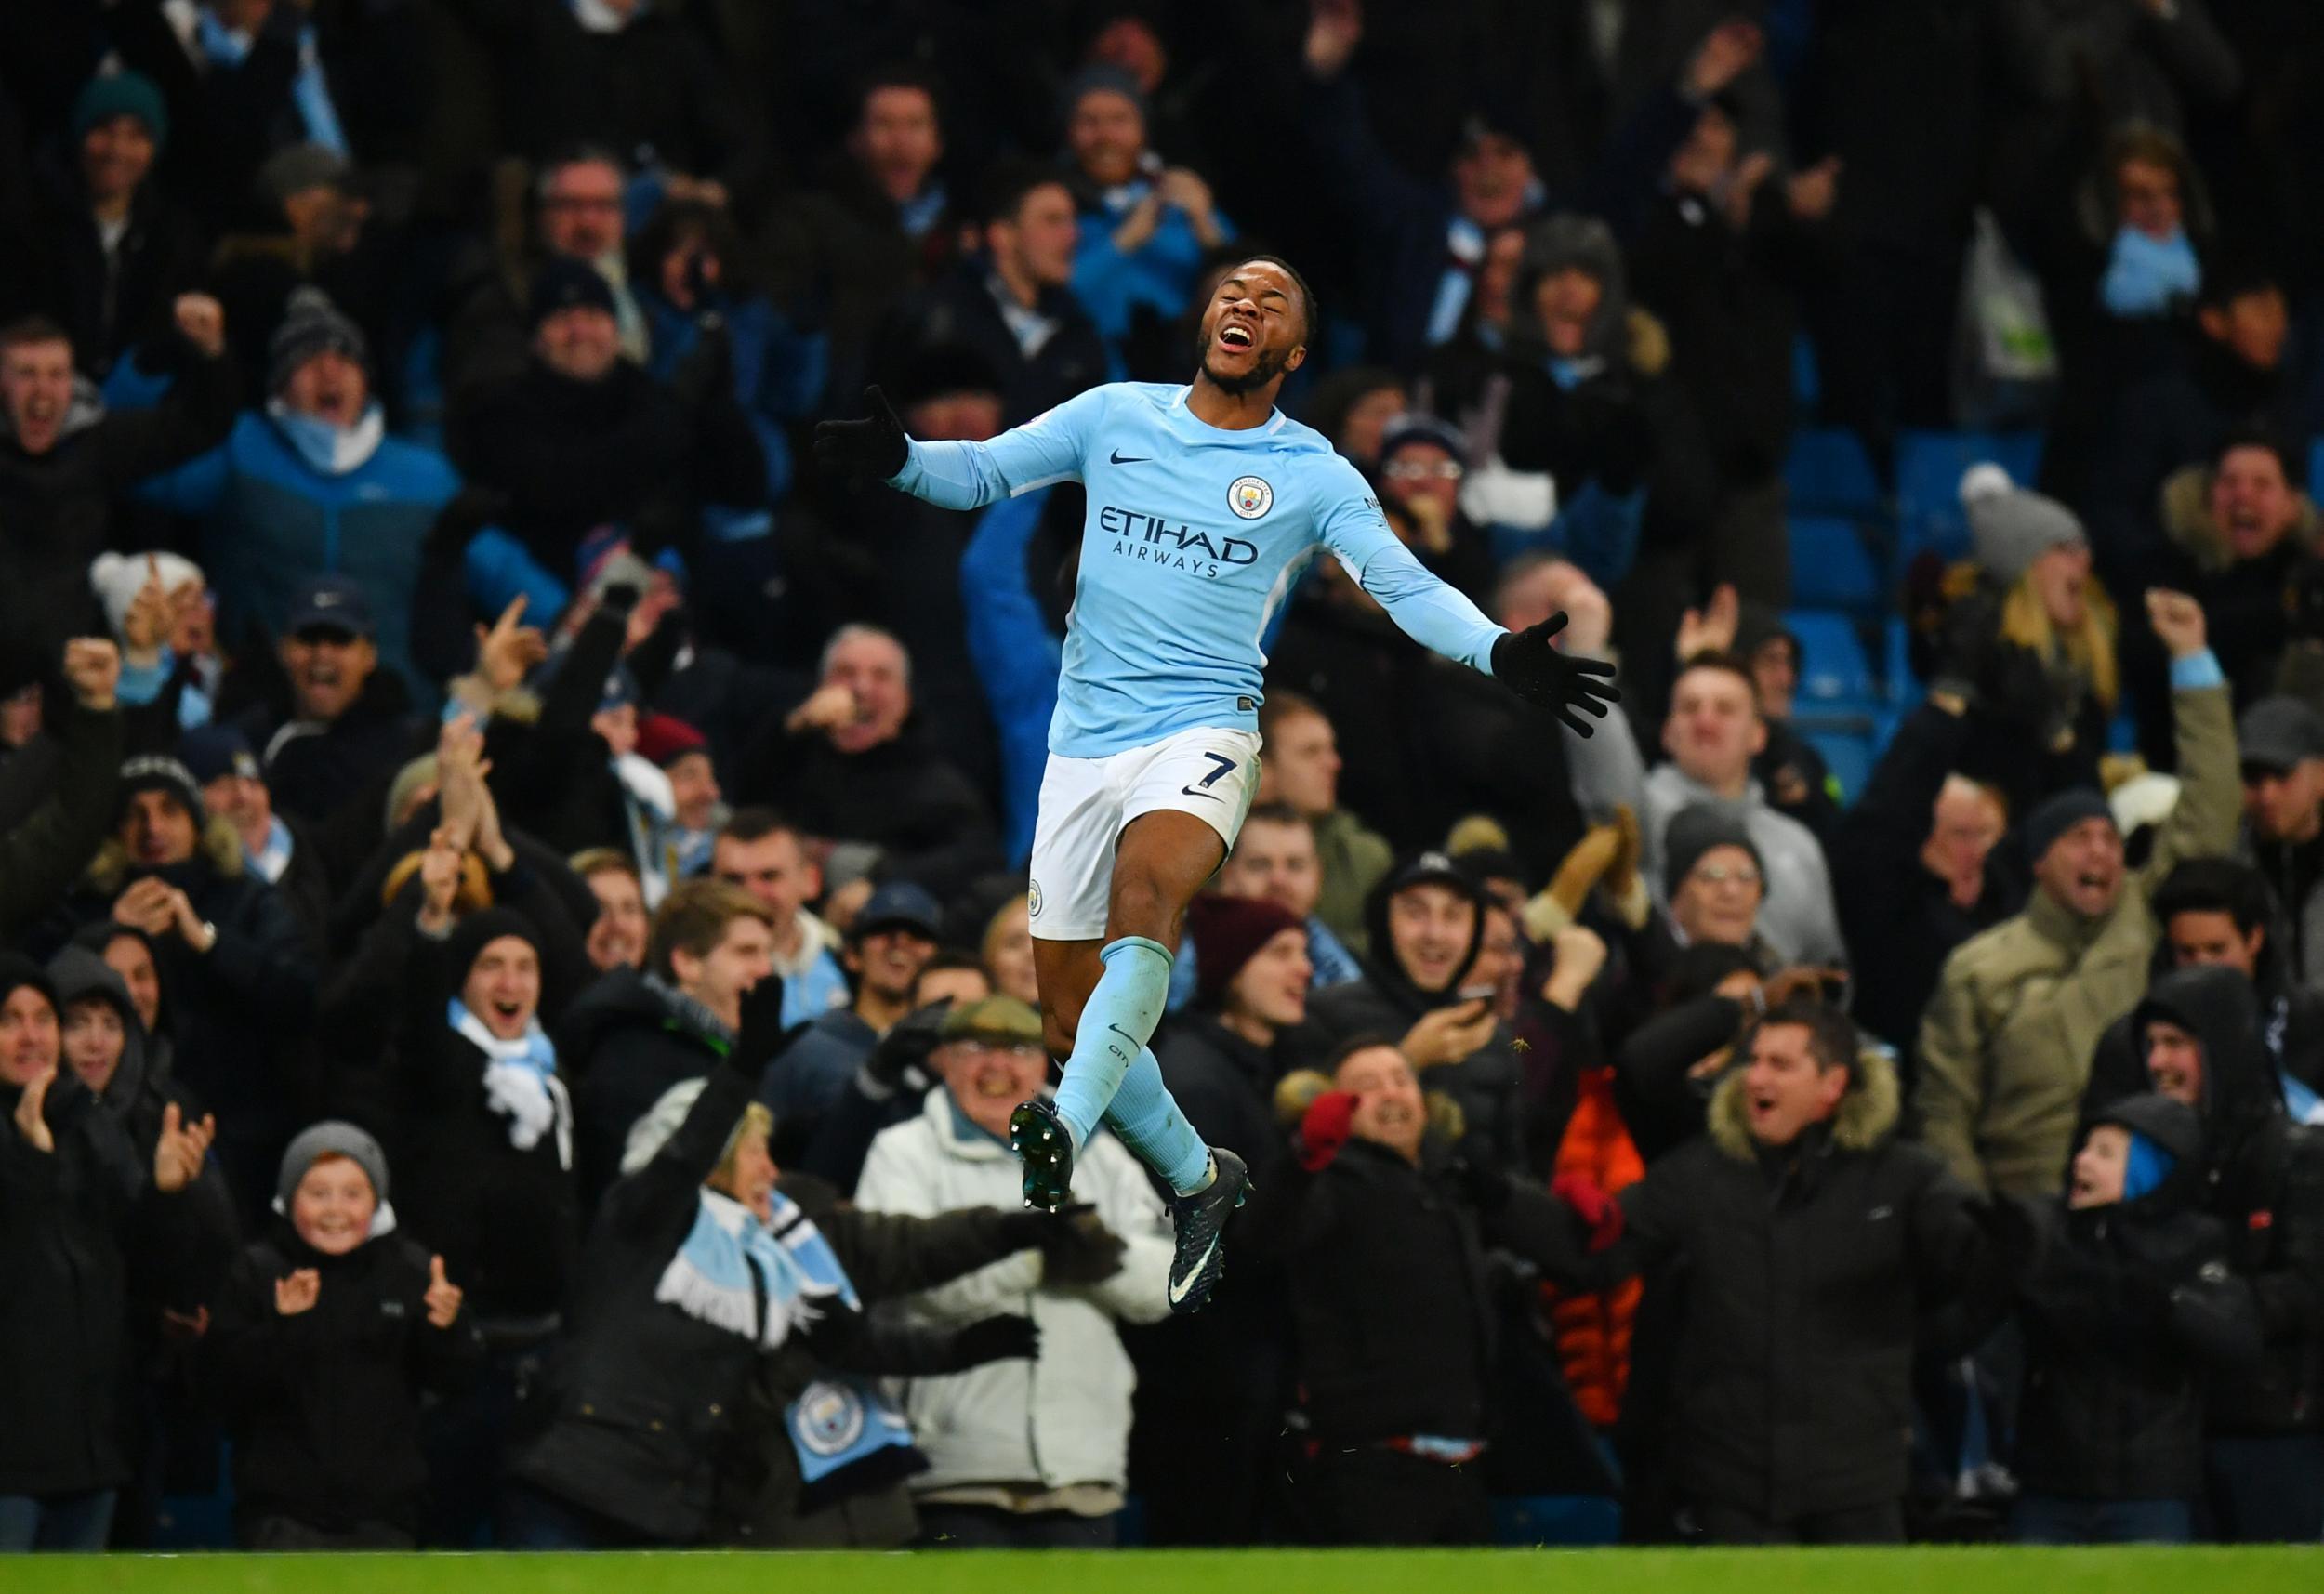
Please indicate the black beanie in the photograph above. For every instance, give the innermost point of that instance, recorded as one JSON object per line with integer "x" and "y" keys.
{"x": 479, "y": 931}
{"x": 17, "y": 971}
{"x": 2061, "y": 813}
{"x": 1694, "y": 831}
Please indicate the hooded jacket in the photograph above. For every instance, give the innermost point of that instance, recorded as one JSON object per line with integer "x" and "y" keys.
{"x": 1808, "y": 1268}
{"x": 2006, "y": 1045}
{"x": 2130, "y": 1305}
{"x": 1061, "y": 1419}
{"x": 1385, "y": 1002}
{"x": 2263, "y": 1176}
{"x": 323, "y": 1405}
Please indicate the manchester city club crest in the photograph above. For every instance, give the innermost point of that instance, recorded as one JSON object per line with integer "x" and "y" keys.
{"x": 1250, "y": 498}
{"x": 830, "y": 1417}
{"x": 1032, "y": 900}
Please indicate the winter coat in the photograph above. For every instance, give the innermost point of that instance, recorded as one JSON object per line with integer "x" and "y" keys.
{"x": 76, "y": 1225}
{"x": 1807, "y": 1269}
{"x": 622, "y": 1046}
{"x": 806, "y": 1079}
{"x": 931, "y": 826}
{"x": 1226, "y": 1086}
{"x": 241, "y": 1009}
{"x": 57, "y": 506}
{"x": 2005, "y": 1046}
{"x": 2129, "y": 1307}
{"x": 962, "y": 309}
{"x": 1900, "y": 920}
{"x": 46, "y": 851}
{"x": 109, "y": 304}
{"x": 1385, "y": 1002}
{"x": 323, "y": 1405}
{"x": 2263, "y": 1177}
{"x": 272, "y": 518}
{"x": 840, "y": 244}
{"x": 1394, "y": 1320}
{"x": 1061, "y": 1419}
{"x": 2295, "y": 872}
{"x": 1796, "y": 916}
{"x": 503, "y": 1218}
{"x": 334, "y": 777}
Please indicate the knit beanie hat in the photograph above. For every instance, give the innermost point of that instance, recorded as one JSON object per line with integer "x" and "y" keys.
{"x": 1228, "y": 932}
{"x": 1694, "y": 830}
{"x": 2148, "y": 1166}
{"x": 663, "y": 739}
{"x": 2061, "y": 813}
{"x": 121, "y": 94}
{"x": 18, "y": 971}
{"x": 2011, "y": 527}
{"x": 1096, "y": 78}
{"x": 117, "y": 578}
{"x": 312, "y": 325}
{"x": 156, "y": 772}
{"x": 479, "y": 931}
{"x": 569, "y": 284}
{"x": 333, "y": 1137}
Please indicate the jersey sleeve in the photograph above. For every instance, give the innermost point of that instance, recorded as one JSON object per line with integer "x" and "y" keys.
{"x": 1045, "y": 450}
{"x": 1439, "y": 617}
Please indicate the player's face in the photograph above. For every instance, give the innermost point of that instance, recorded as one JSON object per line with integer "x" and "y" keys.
{"x": 1277, "y": 864}
{"x": 1431, "y": 926}
{"x": 1255, "y": 330}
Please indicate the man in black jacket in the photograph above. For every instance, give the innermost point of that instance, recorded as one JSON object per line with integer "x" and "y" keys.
{"x": 1813, "y": 1238}
{"x": 1914, "y": 870}
{"x": 2217, "y": 911}
{"x": 1382, "y": 1230}
{"x": 2200, "y": 1035}
{"x": 1011, "y": 305}
{"x": 78, "y": 1218}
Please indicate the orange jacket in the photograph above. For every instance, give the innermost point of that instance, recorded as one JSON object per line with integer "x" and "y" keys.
{"x": 1591, "y": 1332}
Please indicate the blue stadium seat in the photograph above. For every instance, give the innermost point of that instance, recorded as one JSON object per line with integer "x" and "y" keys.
{"x": 1828, "y": 472}
{"x": 1831, "y": 565}
{"x": 1849, "y": 753}
{"x": 1834, "y": 674}
{"x": 1928, "y": 467}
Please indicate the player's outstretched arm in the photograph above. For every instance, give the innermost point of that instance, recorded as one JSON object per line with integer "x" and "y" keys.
{"x": 960, "y": 475}
{"x": 1529, "y": 663}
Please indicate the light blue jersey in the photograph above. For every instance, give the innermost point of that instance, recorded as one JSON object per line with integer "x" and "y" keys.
{"x": 1194, "y": 538}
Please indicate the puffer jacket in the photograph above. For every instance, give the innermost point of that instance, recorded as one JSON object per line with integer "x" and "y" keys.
{"x": 1807, "y": 1269}
{"x": 1065, "y": 1418}
{"x": 1592, "y": 1332}
{"x": 2005, "y": 1046}
{"x": 2129, "y": 1306}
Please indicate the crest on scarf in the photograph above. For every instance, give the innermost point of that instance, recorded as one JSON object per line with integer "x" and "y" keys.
{"x": 829, "y": 1418}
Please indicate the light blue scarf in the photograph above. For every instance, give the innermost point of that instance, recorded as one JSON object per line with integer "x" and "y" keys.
{"x": 2145, "y": 275}
{"x": 521, "y": 1080}
{"x": 729, "y": 1261}
{"x": 223, "y": 46}
{"x": 330, "y": 450}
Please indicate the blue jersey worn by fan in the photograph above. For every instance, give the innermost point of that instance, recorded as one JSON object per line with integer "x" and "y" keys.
{"x": 1194, "y": 536}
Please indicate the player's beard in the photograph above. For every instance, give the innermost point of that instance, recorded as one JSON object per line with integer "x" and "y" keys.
{"x": 1266, "y": 368}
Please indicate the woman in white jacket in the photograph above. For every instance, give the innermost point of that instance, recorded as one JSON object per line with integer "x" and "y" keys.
{"x": 1022, "y": 1454}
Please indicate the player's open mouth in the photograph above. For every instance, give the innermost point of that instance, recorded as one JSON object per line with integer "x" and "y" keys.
{"x": 1234, "y": 334}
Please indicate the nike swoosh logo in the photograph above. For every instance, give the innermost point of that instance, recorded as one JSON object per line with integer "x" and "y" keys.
{"x": 1189, "y": 791}
{"x": 1177, "y": 1291}
{"x": 1135, "y": 1047}
{"x": 1118, "y": 457}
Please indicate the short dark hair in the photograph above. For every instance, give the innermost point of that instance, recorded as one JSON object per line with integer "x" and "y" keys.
{"x": 1010, "y": 184}
{"x": 950, "y": 958}
{"x": 899, "y": 74}
{"x": 1310, "y": 307}
{"x": 2216, "y": 886}
{"x": 1281, "y": 706}
{"x": 1724, "y": 661}
{"x": 1367, "y": 1041}
{"x": 1832, "y": 1039}
{"x": 32, "y": 329}
{"x": 575, "y": 155}
{"x": 1276, "y": 811}
{"x": 754, "y": 823}
{"x": 692, "y": 919}
{"x": 2291, "y": 460}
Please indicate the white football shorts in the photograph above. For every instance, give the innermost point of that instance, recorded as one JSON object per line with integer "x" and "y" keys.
{"x": 1086, "y": 803}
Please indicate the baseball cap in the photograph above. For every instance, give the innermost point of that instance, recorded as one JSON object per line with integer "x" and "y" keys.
{"x": 1003, "y": 1021}
{"x": 330, "y": 604}
{"x": 898, "y": 904}
{"x": 2276, "y": 732}
{"x": 212, "y": 752}
{"x": 1431, "y": 868}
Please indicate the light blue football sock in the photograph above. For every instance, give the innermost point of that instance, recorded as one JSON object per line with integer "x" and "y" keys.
{"x": 1147, "y": 1118}
{"x": 1116, "y": 1025}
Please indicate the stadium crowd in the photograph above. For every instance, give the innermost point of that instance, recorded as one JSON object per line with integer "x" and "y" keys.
{"x": 517, "y": 959}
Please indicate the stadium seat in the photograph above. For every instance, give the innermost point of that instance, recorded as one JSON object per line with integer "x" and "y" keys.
{"x": 1834, "y": 672}
{"x": 1850, "y": 752}
{"x": 1828, "y": 472}
{"x": 1831, "y": 565}
{"x": 1928, "y": 467}
{"x": 1533, "y": 1521}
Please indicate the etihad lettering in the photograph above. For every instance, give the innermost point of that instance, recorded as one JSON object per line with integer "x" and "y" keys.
{"x": 1157, "y": 539}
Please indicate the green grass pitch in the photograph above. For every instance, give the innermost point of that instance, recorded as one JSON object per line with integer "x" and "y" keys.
{"x": 2298, "y": 1569}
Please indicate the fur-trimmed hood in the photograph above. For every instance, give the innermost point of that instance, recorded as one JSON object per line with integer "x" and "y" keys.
{"x": 1867, "y": 1112}
{"x": 219, "y": 850}
{"x": 2186, "y": 519}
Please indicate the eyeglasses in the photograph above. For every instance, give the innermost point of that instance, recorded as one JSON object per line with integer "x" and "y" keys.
{"x": 1720, "y": 874}
{"x": 1023, "y": 1050}
{"x": 1442, "y": 471}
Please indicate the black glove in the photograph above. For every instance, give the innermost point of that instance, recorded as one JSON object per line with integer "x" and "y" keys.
{"x": 900, "y": 1061}
{"x": 1533, "y": 669}
{"x": 1005, "y": 1338}
{"x": 1077, "y": 1248}
{"x": 872, "y": 449}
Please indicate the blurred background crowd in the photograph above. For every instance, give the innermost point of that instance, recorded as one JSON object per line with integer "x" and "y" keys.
{"x": 517, "y": 959}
